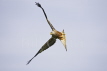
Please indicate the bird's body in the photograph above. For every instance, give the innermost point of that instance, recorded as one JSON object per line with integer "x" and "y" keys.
{"x": 55, "y": 35}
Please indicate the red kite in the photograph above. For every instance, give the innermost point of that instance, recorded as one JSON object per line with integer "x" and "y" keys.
{"x": 55, "y": 35}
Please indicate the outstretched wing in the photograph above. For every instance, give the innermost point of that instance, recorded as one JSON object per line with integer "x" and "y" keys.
{"x": 39, "y": 5}
{"x": 63, "y": 40}
{"x": 49, "y": 43}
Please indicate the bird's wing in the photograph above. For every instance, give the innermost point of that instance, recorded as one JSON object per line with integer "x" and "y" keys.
{"x": 49, "y": 43}
{"x": 63, "y": 40}
{"x": 39, "y": 5}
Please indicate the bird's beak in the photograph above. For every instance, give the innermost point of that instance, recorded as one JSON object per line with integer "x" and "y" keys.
{"x": 50, "y": 33}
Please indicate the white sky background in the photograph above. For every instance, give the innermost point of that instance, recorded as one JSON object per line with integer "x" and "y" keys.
{"x": 23, "y": 30}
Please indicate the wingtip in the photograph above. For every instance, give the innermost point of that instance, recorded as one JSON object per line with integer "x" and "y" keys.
{"x": 63, "y": 31}
{"x": 38, "y": 4}
{"x": 28, "y": 62}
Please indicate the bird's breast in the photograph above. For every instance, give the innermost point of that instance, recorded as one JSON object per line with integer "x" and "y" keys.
{"x": 57, "y": 34}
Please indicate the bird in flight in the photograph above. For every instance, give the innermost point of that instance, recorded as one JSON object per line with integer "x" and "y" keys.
{"x": 55, "y": 35}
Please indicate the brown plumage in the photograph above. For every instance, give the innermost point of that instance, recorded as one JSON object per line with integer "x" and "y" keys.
{"x": 55, "y": 35}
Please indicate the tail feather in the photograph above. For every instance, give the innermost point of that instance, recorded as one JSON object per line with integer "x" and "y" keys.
{"x": 63, "y": 39}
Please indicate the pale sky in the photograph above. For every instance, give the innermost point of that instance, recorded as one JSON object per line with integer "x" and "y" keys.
{"x": 24, "y": 29}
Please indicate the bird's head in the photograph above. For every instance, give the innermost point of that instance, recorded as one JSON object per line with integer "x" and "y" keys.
{"x": 51, "y": 33}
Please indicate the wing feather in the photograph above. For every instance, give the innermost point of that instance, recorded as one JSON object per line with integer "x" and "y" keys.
{"x": 39, "y": 5}
{"x": 49, "y": 43}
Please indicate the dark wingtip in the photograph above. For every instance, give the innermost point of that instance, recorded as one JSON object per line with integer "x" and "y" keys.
{"x": 31, "y": 59}
{"x": 28, "y": 62}
{"x": 63, "y": 31}
{"x": 39, "y": 5}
